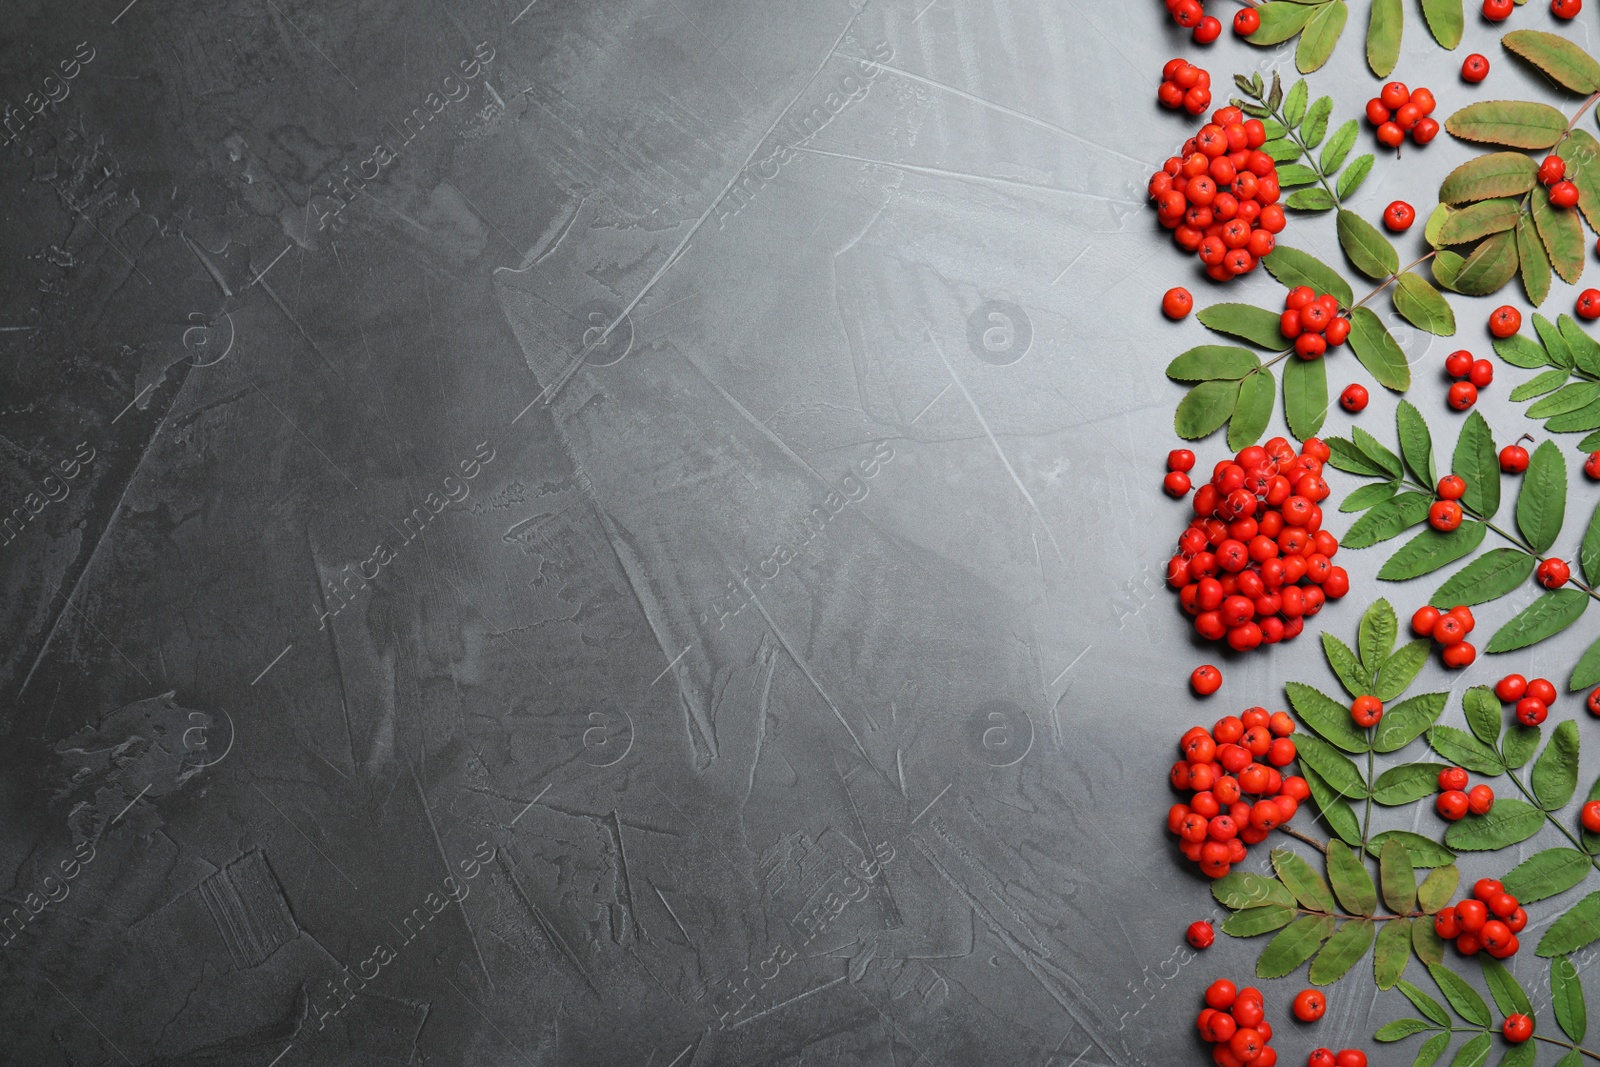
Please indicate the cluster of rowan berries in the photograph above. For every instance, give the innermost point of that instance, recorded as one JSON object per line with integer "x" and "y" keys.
{"x": 1531, "y": 700}
{"x": 1345, "y": 1057}
{"x": 1219, "y": 195}
{"x": 1470, "y": 375}
{"x": 1312, "y": 322}
{"x": 1234, "y": 1020}
{"x": 1184, "y": 85}
{"x": 1488, "y": 921}
{"x": 1191, "y": 15}
{"x": 1397, "y": 111}
{"x": 1450, "y": 629}
{"x": 1254, "y": 561}
{"x": 1455, "y": 800}
{"x": 1222, "y": 767}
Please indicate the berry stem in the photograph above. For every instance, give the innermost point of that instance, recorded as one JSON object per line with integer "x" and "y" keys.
{"x": 1307, "y": 838}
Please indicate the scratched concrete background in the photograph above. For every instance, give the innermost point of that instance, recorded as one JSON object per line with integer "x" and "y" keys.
{"x": 623, "y": 533}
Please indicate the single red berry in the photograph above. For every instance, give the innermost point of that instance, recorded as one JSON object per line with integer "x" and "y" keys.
{"x": 1518, "y": 1027}
{"x": 1589, "y": 815}
{"x": 1176, "y": 484}
{"x": 1474, "y": 68}
{"x": 1566, "y": 9}
{"x": 1399, "y": 216}
{"x": 1201, "y": 934}
{"x": 1246, "y": 22}
{"x": 1511, "y": 688}
{"x": 1444, "y": 515}
{"x": 1309, "y": 1005}
{"x": 1177, "y": 303}
{"x": 1481, "y": 373}
{"x": 1446, "y": 925}
{"x": 1593, "y": 702}
{"x": 1449, "y": 630}
{"x": 1459, "y": 655}
{"x": 1365, "y": 711}
{"x": 1354, "y": 398}
{"x": 1206, "y": 679}
{"x": 1452, "y": 487}
{"x": 1221, "y": 994}
{"x": 1452, "y": 804}
{"x": 1505, "y": 320}
{"x": 1188, "y": 13}
{"x": 1553, "y": 573}
{"x": 1543, "y": 689}
{"x": 1424, "y": 619}
{"x": 1425, "y": 130}
{"x": 1350, "y": 1057}
{"x": 1552, "y": 170}
{"x": 1394, "y": 94}
{"x": 1453, "y": 778}
{"x": 1513, "y": 459}
{"x": 1458, "y": 364}
{"x": 1564, "y": 194}
{"x": 1180, "y": 459}
{"x": 1480, "y": 800}
{"x": 1462, "y": 395}
{"x": 1497, "y": 10}
{"x": 1424, "y": 100}
{"x": 1588, "y": 306}
{"x": 1377, "y": 114}
{"x": 1390, "y": 135}
{"x": 1338, "y": 329}
{"x": 1531, "y": 711}
{"x": 1321, "y": 1057}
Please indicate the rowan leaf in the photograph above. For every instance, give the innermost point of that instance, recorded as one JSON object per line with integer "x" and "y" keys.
{"x": 1325, "y": 717}
{"x": 1370, "y": 251}
{"x": 1333, "y": 766}
{"x": 1406, "y": 783}
{"x": 1542, "y": 503}
{"x": 1478, "y": 463}
{"x": 1571, "y": 397}
{"x": 1376, "y": 633}
{"x": 1425, "y": 852}
{"x": 1256, "y": 325}
{"x": 1512, "y": 123}
{"x": 1427, "y": 943}
{"x": 1305, "y": 396}
{"x": 1533, "y": 260}
{"x": 1561, "y": 234}
{"x": 1509, "y": 822}
{"x": 1540, "y": 384}
{"x": 1462, "y": 997}
{"x": 1302, "y": 881}
{"x": 1479, "y": 220}
{"x": 1377, "y": 452}
{"x": 1311, "y": 200}
{"x": 1281, "y": 20}
{"x": 1464, "y": 750}
{"x": 1253, "y": 411}
{"x": 1447, "y": 268}
{"x": 1355, "y": 678}
{"x": 1549, "y": 615}
{"x": 1294, "y": 945}
{"x": 1437, "y": 889}
{"x": 1566, "y": 997}
{"x": 1483, "y": 711}
{"x": 1520, "y": 743}
{"x": 1585, "y": 418}
{"x": 1335, "y": 810}
{"x": 1580, "y": 926}
{"x": 1432, "y": 549}
{"x": 1293, "y": 267}
{"x": 1363, "y": 497}
{"x": 1582, "y": 155}
{"x": 1293, "y": 174}
{"x": 1495, "y": 174}
{"x": 1339, "y": 145}
{"x": 1213, "y": 363}
{"x": 1423, "y": 306}
{"x": 1408, "y": 720}
{"x": 1488, "y": 266}
{"x": 1390, "y": 519}
{"x": 1384, "y": 28}
{"x": 1392, "y": 952}
{"x": 1352, "y": 885}
{"x": 1354, "y": 174}
{"x": 1558, "y": 57}
{"x": 1316, "y": 45}
{"x": 1342, "y": 952}
{"x": 1519, "y": 351}
{"x": 1347, "y": 456}
{"x": 1546, "y": 874}
{"x": 1398, "y": 877}
{"x": 1205, "y": 408}
{"x": 1508, "y": 994}
{"x": 1401, "y": 669}
{"x": 1555, "y": 773}
{"x": 1445, "y": 21}
{"x": 1475, "y": 1053}
{"x": 1585, "y": 349}
{"x": 1425, "y": 1003}
{"x": 1490, "y": 576}
{"x": 1555, "y": 345}
{"x": 1587, "y": 671}
{"x": 1377, "y": 350}
{"x": 1261, "y": 919}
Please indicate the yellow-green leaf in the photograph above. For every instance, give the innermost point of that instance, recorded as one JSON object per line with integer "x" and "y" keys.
{"x": 1535, "y": 261}
{"x": 1280, "y": 20}
{"x": 1320, "y": 35}
{"x": 1423, "y": 306}
{"x": 1370, "y": 251}
{"x": 1512, "y": 123}
{"x": 1384, "y": 28}
{"x": 1445, "y": 21}
{"x": 1479, "y": 220}
{"x": 1377, "y": 350}
{"x": 1492, "y": 175}
{"x": 1561, "y": 234}
{"x": 1487, "y": 267}
{"x": 1558, "y": 57}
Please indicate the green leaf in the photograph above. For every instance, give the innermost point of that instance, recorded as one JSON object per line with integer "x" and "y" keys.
{"x": 1474, "y": 1053}
{"x": 1558, "y": 57}
{"x": 1370, "y": 251}
{"x": 1376, "y": 451}
{"x": 1432, "y": 549}
{"x": 1587, "y": 671}
{"x": 1407, "y": 720}
{"x": 1305, "y": 396}
{"x": 1585, "y": 349}
{"x": 1336, "y": 811}
{"x": 1406, "y": 783}
{"x": 1350, "y": 880}
{"x": 1540, "y": 384}
{"x": 1533, "y": 260}
{"x": 1302, "y": 880}
{"x": 1424, "y": 1003}
{"x": 1363, "y": 497}
{"x": 1482, "y": 709}
{"x": 1512, "y": 123}
{"x": 1569, "y": 397}
{"x": 1520, "y": 743}
{"x": 1447, "y": 268}
{"x": 1400, "y": 669}
{"x": 1310, "y": 199}
{"x": 1262, "y": 919}
{"x": 1401, "y": 1029}
{"x": 1436, "y": 220}
{"x": 1549, "y": 615}
{"x": 1281, "y": 20}
{"x": 1427, "y": 943}
{"x": 1384, "y": 27}
{"x": 1253, "y": 324}
{"x": 1325, "y": 716}
{"x": 1437, "y": 889}
{"x": 1477, "y": 462}
{"x": 1495, "y": 174}
{"x": 1253, "y": 411}
{"x": 1508, "y": 994}
{"x": 1354, "y": 175}
{"x": 1377, "y": 351}
{"x": 1462, "y": 997}
{"x": 1282, "y": 151}
{"x": 1390, "y": 519}
{"x": 1423, "y": 306}
{"x": 1464, "y": 750}
{"x": 1342, "y": 951}
{"x": 1376, "y": 633}
{"x": 1445, "y": 21}
{"x": 1213, "y": 362}
{"x": 1589, "y": 554}
{"x": 1398, "y": 878}
{"x": 1566, "y": 997}
{"x": 1430, "y": 1050}
{"x": 1491, "y": 575}
{"x": 1292, "y": 174}
{"x": 1488, "y": 266}
{"x": 1246, "y": 889}
{"x": 1555, "y": 345}
{"x": 1582, "y": 155}
{"x": 1546, "y": 874}
{"x": 1562, "y": 235}
{"x": 1580, "y": 926}
{"x": 1335, "y": 768}
{"x": 1508, "y": 823}
{"x": 1555, "y": 773}
{"x": 1520, "y": 351}
{"x": 1355, "y": 678}
{"x": 1316, "y": 45}
{"x": 1294, "y": 945}
{"x": 1542, "y": 504}
{"x": 1315, "y": 126}
{"x": 1205, "y": 408}
{"x": 1393, "y": 951}
{"x": 1346, "y": 456}
{"x": 1585, "y": 418}
{"x": 1425, "y": 852}
{"x": 1293, "y": 267}
{"x": 1479, "y": 220}
{"x": 1339, "y": 145}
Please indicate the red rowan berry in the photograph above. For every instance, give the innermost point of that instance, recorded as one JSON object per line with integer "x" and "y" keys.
{"x": 1321, "y": 1057}
{"x": 1516, "y": 921}
{"x": 1221, "y": 994}
{"x": 1394, "y": 94}
{"x": 1481, "y": 373}
{"x": 1176, "y": 483}
{"x": 1377, "y": 114}
{"x": 1588, "y": 306}
{"x": 1566, "y": 9}
{"x": 1552, "y": 169}
{"x": 1350, "y": 1057}
{"x": 1518, "y": 1027}
{"x": 1390, "y": 135}
{"x": 1452, "y": 804}
{"x": 1553, "y": 573}
{"x": 1366, "y": 711}
{"x": 1531, "y": 711}
{"x": 1511, "y": 688}
{"x": 1589, "y": 815}
{"x": 1188, "y": 13}
{"x": 1208, "y": 29}
{"x": 1309, "y": 1005}
{"x": 1461, "y": 654}
{"x": 1423, "y": 621}
{"x": 1500, "y": 904}
{"x": 1338, "y": 330}
{"x": 1177, "y": 303}
{"x": 1564, "y": 194}
{"x": 1399, "y": 216}
{"x": 1505, "y": 320}
{"x": 1480, "y": 799}
{"x": 1180, "y": 459}
{"x": 1463, "y": 395}
{"x": 1206, "y": 679}
{"x": 1446, "y": 925}
{"x": 1543, "y": 689}
{"x": 1474, "y": 68}
{"x": 1246, "y": 21}
{"x": 1425, "y": 130}
{"x": 1513, "y": 459}
{"x": 1458, "y": 364}
{"x": 1453, "y": 778}
{"x": 1444, "y": 515}
{"x": 1452, "y": 487}
{"x": 1497, "y": 10}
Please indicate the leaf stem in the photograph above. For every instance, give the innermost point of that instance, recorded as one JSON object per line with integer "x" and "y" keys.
{"x": 1566, "y": 1044}
{"x": 1307, "y": 838}
{"x": 1366, "y": 818}
{"x": 1549, "y": 816}
{"x": 1395, "y": 277}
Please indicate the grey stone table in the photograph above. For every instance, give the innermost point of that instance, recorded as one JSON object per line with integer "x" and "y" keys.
{"x": 618, "y": 533}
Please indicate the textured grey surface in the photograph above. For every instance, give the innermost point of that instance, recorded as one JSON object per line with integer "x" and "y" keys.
{"x": 664, "y": 571}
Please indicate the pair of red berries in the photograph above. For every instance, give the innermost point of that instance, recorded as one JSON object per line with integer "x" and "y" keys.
{"x": 1180, "y": 461}
{"x": 1552, "y": 173}
{"x": 1312, "y": 322}
{"x": 1488, "y": 921}
{"x": 1397, "y": 111}
{"x": 1455, "y": 800}
{"x": 1532, "y": 699}
{"x": 1500, "y": 10}
{"x": 1219, "y": 195}
{"x": 1223, "y": 767}
{"x": 1255, "y": 561}
{"x": 1184, "y": 85}
{"x": 1349, "y": 1057}
{"x": 1191, "y": 15}
{"x": 1234, "y": 1020}
{"x": 1445, "y": 514}
{"x": 1450, "y": 630}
